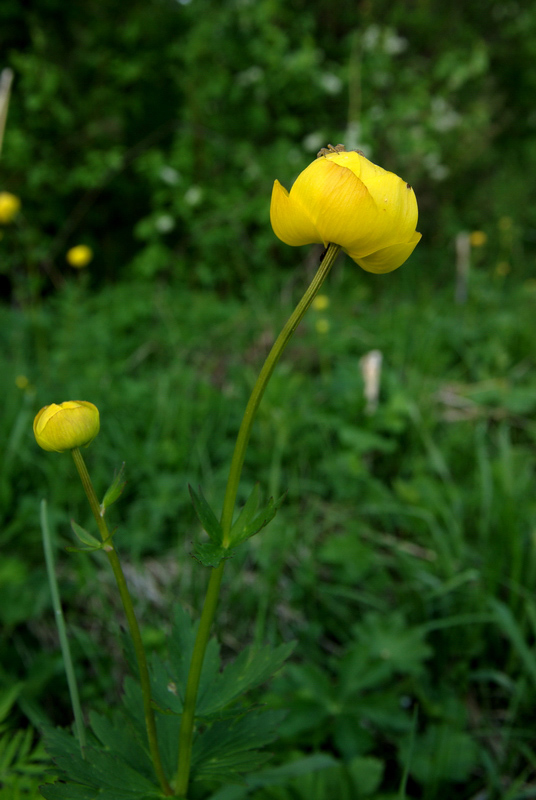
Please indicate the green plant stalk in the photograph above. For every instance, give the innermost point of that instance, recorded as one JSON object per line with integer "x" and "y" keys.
{"x": 62, "y": 632}
{"x": 211, "y": 599}
{"x": 126, "y": 599}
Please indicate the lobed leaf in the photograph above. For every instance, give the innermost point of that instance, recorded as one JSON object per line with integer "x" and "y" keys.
{"x": 229, "y": 748}
{"x": 206, "y": 516}
{"x": 108, "y": 775}
{"x": 210, "y": 554}
{"x": 251, "y": 668}
{"x": 249, "y": 522}
{"x": 115, "y": 490}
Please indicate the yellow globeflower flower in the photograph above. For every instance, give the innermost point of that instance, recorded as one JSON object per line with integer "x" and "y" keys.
{"x": 63, "y": 427}
{"x": 79, "y": 256}
{"x": 9, "y": 207}
{"x": 342, "y": 198}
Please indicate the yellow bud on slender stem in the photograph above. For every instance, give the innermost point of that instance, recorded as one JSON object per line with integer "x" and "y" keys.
{"x": 130, "y": 614}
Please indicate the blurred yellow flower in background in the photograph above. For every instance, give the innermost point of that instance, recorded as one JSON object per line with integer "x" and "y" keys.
{"x": 79, "y": 256}
{"x": 342, "y": 198}
{"x": 505, "y": 223}
{"x": 74, "y": 423}
{"x": 478, "y": 238}
{"x": 322, "y": 325}
{"x": 321, "y": 302}
{"x": 502, "y": 268}
{"x": 9, "y": 207}
{"x": 21, "y": 382}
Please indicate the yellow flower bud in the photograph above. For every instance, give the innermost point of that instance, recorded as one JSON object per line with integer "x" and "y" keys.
{"x": 342, "y": 198}
{"x": 79, "y": 256}
{"x": 63, "y": 427}
{"x": 9, "y": 207}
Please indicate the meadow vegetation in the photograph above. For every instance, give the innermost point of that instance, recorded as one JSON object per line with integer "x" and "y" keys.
{"x": 403, "y": 559}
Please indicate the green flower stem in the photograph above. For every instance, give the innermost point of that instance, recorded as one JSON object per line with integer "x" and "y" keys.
{"x": 260, "y": 386}
{"x": 62, "y": 632}
{"x": 211, "y": 599}
{"x": 126, "y": 599}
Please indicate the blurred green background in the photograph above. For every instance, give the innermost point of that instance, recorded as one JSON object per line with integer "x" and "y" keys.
{"x": 403, "y": 560}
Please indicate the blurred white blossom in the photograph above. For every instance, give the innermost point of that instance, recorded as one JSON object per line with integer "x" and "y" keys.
{"x": 314, "y": 141}
{"x": 330, "y": 83}
{"x": 193, "y": 195}
{"x": 253, "y": 74}
{"x": 444, "y": 118}
{"x": 170, "y": 175}
{"x": 164, "y": 223}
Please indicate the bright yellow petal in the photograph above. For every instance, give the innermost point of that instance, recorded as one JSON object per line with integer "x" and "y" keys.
{"x": 290, "y": 220}
{"x": 333, "y": 196}
{"x": 388, "y": 258}
{"x": 393, "y": 216}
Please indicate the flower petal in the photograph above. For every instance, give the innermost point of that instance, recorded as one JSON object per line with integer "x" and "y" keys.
{"x": 331, "y": 194}
{"x": 393, "y": 216}
{"x": 290, "y": 220}
{"x": 388, "y": 258}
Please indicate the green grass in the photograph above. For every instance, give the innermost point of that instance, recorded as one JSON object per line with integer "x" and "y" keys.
{"x": 403, "y": 559}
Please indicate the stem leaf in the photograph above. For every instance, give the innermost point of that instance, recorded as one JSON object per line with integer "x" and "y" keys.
{"x": 115, "y": 491}
{"x": 206, "y": 516}
{"x": 85, "y": 537}
{"x": 249, "y": 521}
{"x": 210, "y": 554}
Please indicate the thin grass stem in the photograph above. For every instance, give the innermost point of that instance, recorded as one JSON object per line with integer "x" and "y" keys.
{"x": 62, "y": 631}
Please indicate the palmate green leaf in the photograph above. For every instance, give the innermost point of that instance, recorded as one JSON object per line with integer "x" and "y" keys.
{"x": 102, "y": 771}
{"x": 253, "y": 667}
{"x": 120, "y": 736}
{"x": 250, "y": 521}
{"x": 206, "y": 516}
{"x": 115, "y": 491}
{"x": 67, "y": 791}
{"x": 229, "y": 748}
{"x": 276, "y": 776}
{"x": 169, "y": 679}
{"x": 75, "y": 791}
{"x": 217, "y": 690}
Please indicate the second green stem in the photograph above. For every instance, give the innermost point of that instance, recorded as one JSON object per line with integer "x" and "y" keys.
{"x": 134, "y": 629}
{"x": 211, "y": 599}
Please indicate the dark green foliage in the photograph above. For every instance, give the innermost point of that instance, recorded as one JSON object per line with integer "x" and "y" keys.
{"x": 399, "y": 529}
{"x": 229, "y": 734}
{"x": 403, "y": 558}
{"x": 154, "y": 131}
